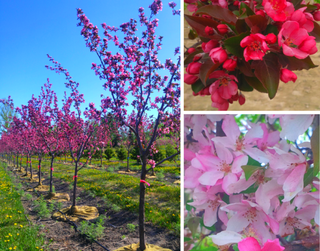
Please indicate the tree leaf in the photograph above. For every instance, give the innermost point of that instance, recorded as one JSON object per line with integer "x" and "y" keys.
{"x": 249, "y": 170}
{"x": 245, "y": 10}
{"x": 232, "y": 44}
{"x": 190, "y": 57}
{"x": 255, "y": 83}
{"x": 241, "y": 26}
{"x": 256, "y": 23}
{"x": 200, "y": 23}
{"x": 295, "y": 64}
{"x": 315, "y": 150}
{"x": 197, "y": 86}
{"x": 243, "y": 84}
{"x": 192, "y": 35}
{"x": 193, "y": 224}
{"x": 206, "y": 68}
{"x": 245, "y": 68}
{"x": 308, "y": 177}
{"x": 296, "y": 3}
{"x": 251, "y": 189}
{"x": 268, "y": 72}
{"x": 219, "y": 13}
{"x": 316, "y": 31}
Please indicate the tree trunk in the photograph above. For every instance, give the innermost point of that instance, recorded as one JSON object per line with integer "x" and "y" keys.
{"x": 39, "y": 166}
{"x": 51, "y": 167}
{"x": 101, "y": 157}
{"x": 27, "y": 164}
{"x": 31, "y": 168}
{"x": 128, "y": 161}
{"x": 75, "y": 185}
{"x": 141, "y": 205}
{"x": 17, "y": 160}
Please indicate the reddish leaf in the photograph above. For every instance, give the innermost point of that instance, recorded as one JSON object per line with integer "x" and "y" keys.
{"x": 200, "y": 23}
{"x": 245, "y": 68}
{"x": 256, "y": 23}
{"x": 296, "y": 3}
{"x": 190, "y": 57}
{"x": 243, "y": 84}
{"x": 255, "y": 83}
{"x": 205, "y": 70}
{"x": 295, "y": 64}
{"x": 219, "y": 13}
{"x": 268, "y": 72}
{"x": 245, "y": 10}
{"x": 241, "y": 26}
{"x": 316, "y": 31}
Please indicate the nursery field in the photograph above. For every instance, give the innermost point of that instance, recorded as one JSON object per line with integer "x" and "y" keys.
{"x": 115, "y": 193}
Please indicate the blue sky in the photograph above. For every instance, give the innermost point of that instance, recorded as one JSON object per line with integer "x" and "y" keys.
{"x": 32, "y": 29}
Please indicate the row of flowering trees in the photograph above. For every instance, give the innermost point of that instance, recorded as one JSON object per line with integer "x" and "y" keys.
{"x": 248, "y": 45}
{"x": 252, "y": 184}
{"x": 131, "y": 73}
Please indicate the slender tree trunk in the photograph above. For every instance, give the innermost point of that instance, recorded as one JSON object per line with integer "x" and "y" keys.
{"x": 31, "y": 168}
{"x": 51, "y": 167}
{"x": 128, "y": 161}
{"x": 101, "y": 155}
{"x": 75, "y": 185}
{"x": 142, "y": 205}
{"x": 39, "y": 167}
{"x": 27, "y": 164}
{"x": 17, "y": 160}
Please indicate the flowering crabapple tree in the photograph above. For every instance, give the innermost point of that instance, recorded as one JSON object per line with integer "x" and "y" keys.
{"x": 252, "y": 182}
{"x": 132, "y": 71}
{"x": 78, "y": 127}
{"x": 248, "y": 45}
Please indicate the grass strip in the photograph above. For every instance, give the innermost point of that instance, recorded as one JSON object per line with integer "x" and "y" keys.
{"x": 15, "y": 233}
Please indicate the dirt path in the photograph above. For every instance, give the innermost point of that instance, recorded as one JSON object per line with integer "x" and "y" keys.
{"x": 303, "y": 95}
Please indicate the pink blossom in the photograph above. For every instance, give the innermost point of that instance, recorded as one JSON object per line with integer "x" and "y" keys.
{"x": 277, "y": 9}
{"x": 291, "y": 37}
{"x": 256, "y": 47}
{"x": 230, "y": 64}
{"x": 207, "y": 47}
{"x": 225, "y": 84}
{"x": 251, "y": 244}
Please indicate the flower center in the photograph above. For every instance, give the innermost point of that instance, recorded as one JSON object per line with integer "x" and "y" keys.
{"x": 276, "y": 5}
{"x": 289, "y": 42}
{"x": 224, "y": 82}
{"x": 225, "y": 168}
{"x": 239, "y": 144}
{"x": 255, "y": 46}
{"x": 251, "y": 214}
{"x": 213, "y": 204}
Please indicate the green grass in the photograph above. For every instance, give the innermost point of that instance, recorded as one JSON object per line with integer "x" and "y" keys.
{"x": 15, "y": 233}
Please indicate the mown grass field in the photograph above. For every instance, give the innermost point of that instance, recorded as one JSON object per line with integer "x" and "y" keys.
{"x": 15, "y": 232}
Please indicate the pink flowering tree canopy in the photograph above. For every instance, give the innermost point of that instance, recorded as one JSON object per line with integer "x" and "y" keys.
{"x": 257, "y": 42}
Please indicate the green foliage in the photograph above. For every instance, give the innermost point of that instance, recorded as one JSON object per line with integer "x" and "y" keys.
{"x": 170, "y": 150}
{"x": 121, "y": 153}
{"x": 160, "y": 155}
{"x": 40, "y": 206}
{"x": 28, "y": 196}
{"x": 109, "y": 153}
{"x": 134, "y": 153}
{"x": 160, "y": 175}
{"x": 93, "y": 230}
{"x": 131, "y": 227}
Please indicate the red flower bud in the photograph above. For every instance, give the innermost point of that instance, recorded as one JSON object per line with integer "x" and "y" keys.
{"x": 193, "y": 68}
{"x": 316, "y": 15}
{"x": 287, "y": 75}
{"x": 242, "y": 99}
{"x": 191, "y": 50}
{"x": 190, "y": 79}
{"x": 222, "y": 28}
{"x": 207, "y": 47}
{"x": 271, "y": 38}
{"x": 218, "y": 55}
{"x": 261, "y": 13}
{"x": 209, "y": 31}
{"x": 230, "y": 64}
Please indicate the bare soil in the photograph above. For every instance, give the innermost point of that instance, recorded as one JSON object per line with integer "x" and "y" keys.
{"x": 61, "y": 236}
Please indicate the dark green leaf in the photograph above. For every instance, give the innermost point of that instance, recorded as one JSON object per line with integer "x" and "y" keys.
{"x": 255, "y": 83}
{"x": 315, "y": 150}
{"x": 308, "y": 177}
{"x": 206, "y": 68}
{"x": 219, "y": 13}
{"x": 253, "y": 162}
{"x": 245, "y": 10}
{"x": 192, "y": 35}
{"x": 268, "y": 72}
{"x": 310, "y": 7}
{"x": 271, "y": 29}
{"x": 212, "y": 228}
{"x": 193, "y": 224}
{"x": 232, "y": 44}
{"x": 296, "y": 3}
{"x": 252, "y": 189}
{"x": 243, "y": 85}
{"x": 249, "y": 170}
{"x": 316, "y": 31}
{"x": 197, "y": 86}
{"x": 186, "y": 239}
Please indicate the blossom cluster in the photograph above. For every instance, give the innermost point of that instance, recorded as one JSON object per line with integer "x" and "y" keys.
{"x": 250, "y": 182}
{"x": 248, "y": 45}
